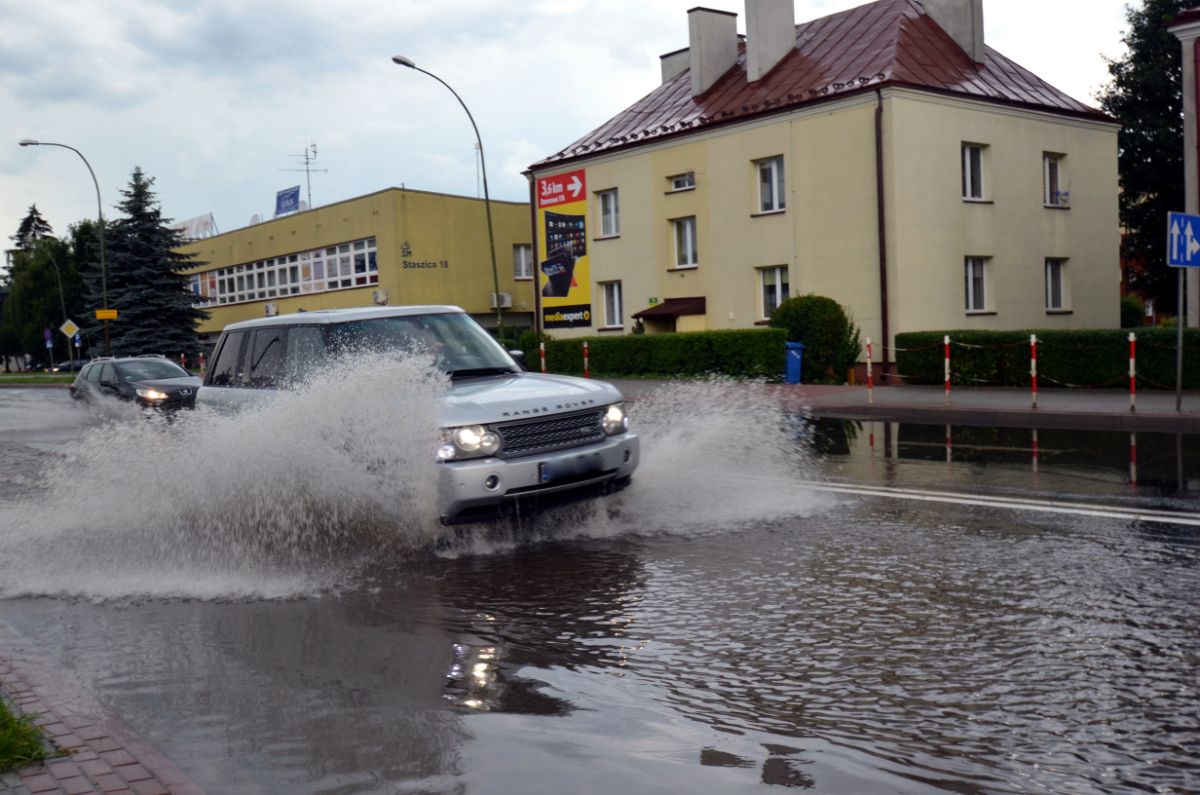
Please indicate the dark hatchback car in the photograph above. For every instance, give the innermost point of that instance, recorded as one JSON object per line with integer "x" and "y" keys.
{"x": 149, "y": 380}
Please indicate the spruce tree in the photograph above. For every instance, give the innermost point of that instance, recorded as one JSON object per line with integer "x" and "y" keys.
{"x": 32, "y": 229}
{"x": 145, "y": 282}
{"x": 1145, "y": 96}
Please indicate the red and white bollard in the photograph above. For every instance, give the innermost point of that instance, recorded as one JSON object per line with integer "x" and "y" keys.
{"x": 586, "y": 371}
{"x": 870, "y": 378}
{"x": 946, "y": 342}
{"x": 542, "y": 355}
{"x": 183, "y": 361}
{"x": 1033, "y": 367}
{"x": 1132, "y": 371}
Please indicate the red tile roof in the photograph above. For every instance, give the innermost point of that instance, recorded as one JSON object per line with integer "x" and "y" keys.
{"x": 885, "y": 43}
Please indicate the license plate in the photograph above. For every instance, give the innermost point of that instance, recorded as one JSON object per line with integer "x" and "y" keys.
{"x": 564, "y": 469}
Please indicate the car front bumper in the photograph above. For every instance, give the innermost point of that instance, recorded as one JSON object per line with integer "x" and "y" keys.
{"x": 477, "y": 487}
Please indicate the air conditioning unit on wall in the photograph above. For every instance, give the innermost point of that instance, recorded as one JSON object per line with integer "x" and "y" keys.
{"x": 271, "y": 309}
{"x": 501, "y": 300}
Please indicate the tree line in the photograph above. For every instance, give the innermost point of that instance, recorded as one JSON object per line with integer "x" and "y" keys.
{"x": 50, "y": 279}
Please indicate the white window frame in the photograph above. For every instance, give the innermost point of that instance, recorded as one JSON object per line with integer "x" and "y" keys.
{"x": 522, "y": 262}
{"x": 683, "y": 230}
{"x": 613, "y": 311}
{"x": 682, "y": 182}
{"x": 356, "y": 263}
{"x": 976, "y": 304}
{"x": 1054, "y": 180}
{"x": 777, "y": 278}
{"x": 974, "y": 172}
{"x": 1056, "y": 269}
{"x": 610, "y": 213}
{"x": 772, "y": 185}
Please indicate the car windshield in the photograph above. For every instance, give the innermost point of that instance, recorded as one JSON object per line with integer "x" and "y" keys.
{"x": 150, "y": 370}
{"x": 458, "y": 344}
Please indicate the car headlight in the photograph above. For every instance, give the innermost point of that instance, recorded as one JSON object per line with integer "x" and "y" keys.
{"x": 469, "y": 441}
{"x": 615, "y": 420}
{"x": 147, "y": 393}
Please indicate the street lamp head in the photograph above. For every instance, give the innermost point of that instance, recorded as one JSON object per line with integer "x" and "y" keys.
{"x": 402, "y": 61}
{"x": 28, "y": 142}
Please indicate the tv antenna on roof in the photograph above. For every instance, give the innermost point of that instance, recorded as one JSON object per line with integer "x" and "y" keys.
{"x": 310, "y": 157}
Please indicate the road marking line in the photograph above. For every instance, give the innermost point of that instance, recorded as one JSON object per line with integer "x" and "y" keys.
{"x": 1189, "y": 519}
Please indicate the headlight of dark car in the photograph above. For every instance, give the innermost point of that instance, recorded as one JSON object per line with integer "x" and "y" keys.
{"x": 468, "y": 441}
{"x": 151, "y": 394}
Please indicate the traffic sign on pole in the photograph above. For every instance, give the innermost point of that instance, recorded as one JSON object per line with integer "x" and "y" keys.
{"x": 1183, "y": 240}
{"x": 69, "y": 328}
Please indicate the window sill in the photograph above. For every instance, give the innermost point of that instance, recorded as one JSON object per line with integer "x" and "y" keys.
{"x": 1057, "y": 206}
{"x": 605, "y": 237}
{"x": 679, "y": 190}
{"x": 1060, "y": 311}
{"x": 969, "y": 200}
{"x": 603, "y": 329}
{"x": 682, "y": 268}
{"x": 766, "y": 213}
{"x": 980, "y": 312}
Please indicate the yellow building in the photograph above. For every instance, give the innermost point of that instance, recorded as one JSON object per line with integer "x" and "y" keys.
{"x": 883, "y": 156}
{"x": 396, "y": 246}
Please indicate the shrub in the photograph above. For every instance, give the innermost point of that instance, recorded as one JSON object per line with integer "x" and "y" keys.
{"x": 1097, "y": 358}
{"x": 749, "y": 353}
{"x": 1132, "y": 311}
{"x": 831, "y": 342}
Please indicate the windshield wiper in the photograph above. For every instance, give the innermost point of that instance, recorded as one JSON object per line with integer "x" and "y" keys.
{"x": 471, "y": 371}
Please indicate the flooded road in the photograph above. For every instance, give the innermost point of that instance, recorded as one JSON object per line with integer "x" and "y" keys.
{"x": 718, "y": 628}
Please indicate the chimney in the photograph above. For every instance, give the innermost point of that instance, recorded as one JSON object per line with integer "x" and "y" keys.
{"x": 770, "y": 35}
{"x": 963, "y": 20}
{"x": 674, "y": 64}
{"x": 714, "y": 46}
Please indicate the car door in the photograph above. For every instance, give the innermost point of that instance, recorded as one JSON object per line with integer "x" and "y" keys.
{"x": 223, "y": 387}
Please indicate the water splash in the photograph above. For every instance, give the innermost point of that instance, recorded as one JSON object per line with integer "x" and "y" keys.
{"x": 300, "y": 495}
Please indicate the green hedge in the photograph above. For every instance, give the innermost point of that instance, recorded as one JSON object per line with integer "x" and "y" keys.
{"x": 749, "y": 353}
{"x": 1098, "y": 358}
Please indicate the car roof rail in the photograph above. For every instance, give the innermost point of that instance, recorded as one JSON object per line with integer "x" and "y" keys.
{"x": 150, "y": 356}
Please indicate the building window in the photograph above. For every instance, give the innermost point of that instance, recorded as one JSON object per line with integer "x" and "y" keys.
{"x": 612, "y": 304}
{"x": 1054, "y": 182}
{"x": 775, "y": 290}
{"x": 685, "y": 181}
{"x": 522, "y": 262}
{"x": 972, "y": 171}
{"x": 1056, "y": 296}
{"x": 770, "y": 185}
{"x": 976, "y": 277}
{"x": 610, "y": 213}
{"x": 685, "y": 242}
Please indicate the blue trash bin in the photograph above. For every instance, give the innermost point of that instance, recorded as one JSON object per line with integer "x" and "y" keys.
{"x": 795, "y": 358}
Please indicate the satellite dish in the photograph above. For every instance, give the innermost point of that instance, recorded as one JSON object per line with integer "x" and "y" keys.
{"x": 255, "y": 219}
{"x": 303, "y": 205}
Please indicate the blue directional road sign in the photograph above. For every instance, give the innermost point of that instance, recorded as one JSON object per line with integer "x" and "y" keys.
{"x": 1183, "y": 240}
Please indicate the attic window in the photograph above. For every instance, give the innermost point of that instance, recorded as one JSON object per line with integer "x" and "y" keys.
{"x": 685, "y": 181}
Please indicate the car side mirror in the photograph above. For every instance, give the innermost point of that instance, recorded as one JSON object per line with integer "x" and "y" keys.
{"x": 519, "y": 356}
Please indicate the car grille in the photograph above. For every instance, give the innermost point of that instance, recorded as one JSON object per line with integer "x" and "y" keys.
{"x": 532, "y": 437}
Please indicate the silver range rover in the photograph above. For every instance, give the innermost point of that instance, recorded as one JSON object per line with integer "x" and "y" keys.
{"x": 507, "y": 435}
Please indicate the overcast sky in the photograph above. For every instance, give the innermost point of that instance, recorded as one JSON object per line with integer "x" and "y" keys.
{"x": 216, "y": 99}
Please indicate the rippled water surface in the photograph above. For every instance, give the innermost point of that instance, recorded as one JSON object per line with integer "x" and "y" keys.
{"x": 687, "y": 637}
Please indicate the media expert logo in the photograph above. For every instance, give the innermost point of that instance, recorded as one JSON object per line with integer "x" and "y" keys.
{"x": 567, "y": 317}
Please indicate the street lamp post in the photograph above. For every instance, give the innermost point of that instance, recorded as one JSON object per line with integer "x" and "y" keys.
{"x": 487, "y": 201}
{"x": 100, "y": 218}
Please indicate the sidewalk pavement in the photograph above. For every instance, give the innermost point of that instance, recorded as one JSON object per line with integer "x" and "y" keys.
{"x": 101, "y": 754}
{"x": 1080, "y": 409}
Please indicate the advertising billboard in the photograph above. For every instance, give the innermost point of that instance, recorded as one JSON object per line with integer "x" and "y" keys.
{"x": 563, "y": 273}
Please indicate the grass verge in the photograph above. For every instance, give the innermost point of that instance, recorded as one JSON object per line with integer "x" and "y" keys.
{"x": 36, "y": 378}
{"x": 20, "y": 741}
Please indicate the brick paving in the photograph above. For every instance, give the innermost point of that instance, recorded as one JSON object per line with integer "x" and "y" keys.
{"x": 99, "y": 754}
